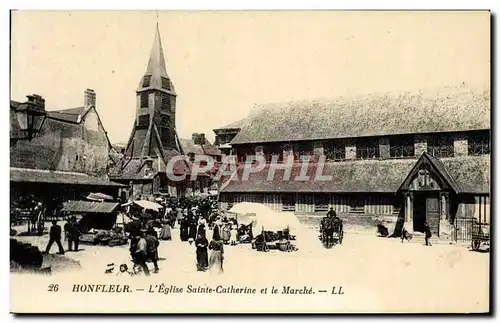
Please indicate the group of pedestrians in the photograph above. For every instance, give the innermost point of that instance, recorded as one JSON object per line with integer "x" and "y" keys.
{"x": 143, "y": 248}
{"x": 72, "y": 234}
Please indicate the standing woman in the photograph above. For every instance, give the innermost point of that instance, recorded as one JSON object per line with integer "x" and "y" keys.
{"x": 184, "y": 232}
{"x": 192, "y": 227}
{"x": 201, "y": 252}
{"x": 166, "y": 232}
{"x": 202, "y": 227}
{"x": 215, "y": 263}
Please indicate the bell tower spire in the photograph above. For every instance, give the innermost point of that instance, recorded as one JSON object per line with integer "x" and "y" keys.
{"x": 154, "y": 129}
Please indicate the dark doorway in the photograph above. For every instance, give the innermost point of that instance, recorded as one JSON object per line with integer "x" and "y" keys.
{"x": 418, "y": 212}
{"x": 426, "y": 208}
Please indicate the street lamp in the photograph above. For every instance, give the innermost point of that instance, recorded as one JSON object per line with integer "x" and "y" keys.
{"x": 30, "y": 117}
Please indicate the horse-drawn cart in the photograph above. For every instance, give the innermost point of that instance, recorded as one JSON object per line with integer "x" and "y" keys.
{"x": 480, "y": 235}
{"x": 332, "y": 232}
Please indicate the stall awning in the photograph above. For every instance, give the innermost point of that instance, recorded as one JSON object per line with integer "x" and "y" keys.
{"x": 148, "y": 205}
{"x": 89, "y": 207}
{"x": 26, "y": 175}
{"x": 99, "y": 197}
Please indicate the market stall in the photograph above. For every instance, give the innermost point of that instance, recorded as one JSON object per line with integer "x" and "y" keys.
{"x": 96, "y": 221}
{"x": 271, "y": 229}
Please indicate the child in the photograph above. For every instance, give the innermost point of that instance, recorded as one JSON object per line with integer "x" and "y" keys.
{"x": 234, "y": 234}
{"x": 123, "y": 271}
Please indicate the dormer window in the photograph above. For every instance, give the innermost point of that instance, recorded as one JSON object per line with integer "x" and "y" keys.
{"x": 147, "y": 81}
{"x": 165, "y": 83}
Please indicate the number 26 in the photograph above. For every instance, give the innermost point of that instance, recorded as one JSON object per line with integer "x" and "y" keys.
{"x": 53, "y": 288}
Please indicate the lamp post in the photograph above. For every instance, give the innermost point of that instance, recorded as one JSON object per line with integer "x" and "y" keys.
{"x": 30, "y": 117}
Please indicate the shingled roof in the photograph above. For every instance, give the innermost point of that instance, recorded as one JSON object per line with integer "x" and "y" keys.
{"x": 70, "y": 115}
{"x": 470, "y": 173}
{"x": 458, "y": 108}
{"x": 235, "y": 125}
{"x": 188, "y": 146}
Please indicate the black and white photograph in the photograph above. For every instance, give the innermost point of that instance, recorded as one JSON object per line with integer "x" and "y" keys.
{"x": 294, "y": 161}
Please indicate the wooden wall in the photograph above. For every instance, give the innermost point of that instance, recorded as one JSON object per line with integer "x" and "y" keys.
{"x": 474, "y": 206}
{"x": 308, "y": 203}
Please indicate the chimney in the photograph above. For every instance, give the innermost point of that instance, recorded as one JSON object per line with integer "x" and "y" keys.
{"x": 198, "y": 138}
{"x": 36, "y": 99}
{"x": 89, "y": 98}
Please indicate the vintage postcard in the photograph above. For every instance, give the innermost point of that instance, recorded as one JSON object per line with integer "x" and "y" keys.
{"x": 250, "y": 161}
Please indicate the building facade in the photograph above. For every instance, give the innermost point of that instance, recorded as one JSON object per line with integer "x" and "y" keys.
{"x": 69, "y": 157}
{"x": 417, "y": 156}
{"x": 154, "y": 141}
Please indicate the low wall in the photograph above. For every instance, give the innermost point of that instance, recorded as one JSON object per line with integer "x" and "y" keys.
{"x": 352, "y": 222}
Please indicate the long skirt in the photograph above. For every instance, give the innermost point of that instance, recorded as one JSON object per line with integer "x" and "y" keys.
{"x": 184, "y": 233}
{"x": 234, "y": 235}
{"x": 202, "y": 258}
{"x": 166, "y": 233}
{"x": 215, "y": 262}
{"x": 192, "y": 232}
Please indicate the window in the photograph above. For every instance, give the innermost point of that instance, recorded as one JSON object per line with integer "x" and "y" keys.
{"x": 305, "y": 148}
{"x": 479, "y": 144}
{"x": 288, "y": 202}
{"x": 165, "y": 101}
{"x": 440, "y": 146}
{"x": 334, "y": 150}
{"x": 146, "y": 81}
{"x": 165, "y": 120}
{"x": 402, "y": 147}
{"x": 165, "y": 83}
{"x": 166, "y": 137}
{"x": 273, "y": 150}
{"x": 357, "y": 205}
{"x": 144, "y": 100}
{"x": 143, "y": 121}
{"x": 367, "y": 149}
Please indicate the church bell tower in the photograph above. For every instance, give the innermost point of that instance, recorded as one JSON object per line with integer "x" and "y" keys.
{"x": 154, "y": 127}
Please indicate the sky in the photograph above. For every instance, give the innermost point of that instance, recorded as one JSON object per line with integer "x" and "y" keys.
{"x": 223, "y": 63}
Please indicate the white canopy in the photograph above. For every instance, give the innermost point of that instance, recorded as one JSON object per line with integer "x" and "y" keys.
{"x": 265, "y": 218}
{"x": 148, "y": 205}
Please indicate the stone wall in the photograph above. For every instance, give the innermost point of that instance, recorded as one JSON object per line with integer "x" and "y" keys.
{"x": 65, "y": 147}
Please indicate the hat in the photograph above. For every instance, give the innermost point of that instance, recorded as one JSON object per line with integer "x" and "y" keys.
{"x": 110, "y": 268}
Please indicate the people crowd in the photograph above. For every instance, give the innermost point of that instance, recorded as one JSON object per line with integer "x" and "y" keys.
{"x": 195, "y": 217}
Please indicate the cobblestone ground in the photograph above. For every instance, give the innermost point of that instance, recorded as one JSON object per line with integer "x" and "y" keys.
{"x": 376, "y": 275}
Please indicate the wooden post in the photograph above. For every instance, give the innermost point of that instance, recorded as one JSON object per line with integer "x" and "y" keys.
{"x": 408, "y": 225}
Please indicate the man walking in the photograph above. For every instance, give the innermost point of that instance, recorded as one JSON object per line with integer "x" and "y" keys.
{"x": 140, "y": 255}
{"x": 55, "y": 236}
{"x": 428, "y": 234}
{"x": 152, "y": 244}
{"x": 73, "y": 234}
